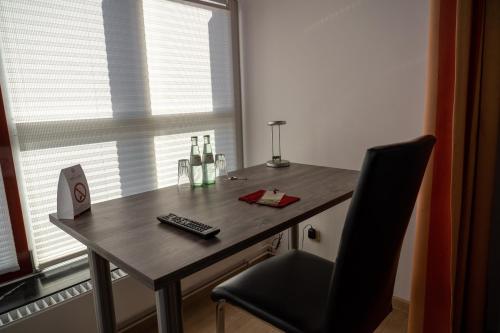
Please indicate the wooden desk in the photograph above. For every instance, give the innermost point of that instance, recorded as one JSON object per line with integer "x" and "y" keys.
{"x": 125, "y": 231}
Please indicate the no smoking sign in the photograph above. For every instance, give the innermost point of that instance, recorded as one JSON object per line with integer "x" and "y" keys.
{"x": 80, "y": 192}
{"x": 73, "y": 195}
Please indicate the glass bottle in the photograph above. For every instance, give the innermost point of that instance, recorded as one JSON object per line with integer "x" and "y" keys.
{"x": 208, "y": 162}
{"x": 196, "y": 170}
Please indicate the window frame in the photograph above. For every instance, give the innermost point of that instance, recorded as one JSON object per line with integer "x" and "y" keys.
{"x": 8, "y": 160}
{"x": 13, "y": 201}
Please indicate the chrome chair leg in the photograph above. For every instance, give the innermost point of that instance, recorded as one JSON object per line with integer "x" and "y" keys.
{"x": 219, "y": 318}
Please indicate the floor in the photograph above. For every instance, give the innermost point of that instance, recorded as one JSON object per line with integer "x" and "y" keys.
{"x": 199, "y": 317}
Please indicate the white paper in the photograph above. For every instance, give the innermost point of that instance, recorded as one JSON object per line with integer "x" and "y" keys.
{"x": 271, "y": 198}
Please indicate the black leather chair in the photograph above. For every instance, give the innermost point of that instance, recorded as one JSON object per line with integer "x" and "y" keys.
{"x": 301, "y": 292}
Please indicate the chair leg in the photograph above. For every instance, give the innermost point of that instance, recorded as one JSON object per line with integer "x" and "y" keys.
{"x": 219, "y": 318}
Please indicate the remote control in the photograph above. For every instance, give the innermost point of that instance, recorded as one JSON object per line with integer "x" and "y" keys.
{"x": 200, "y": 229}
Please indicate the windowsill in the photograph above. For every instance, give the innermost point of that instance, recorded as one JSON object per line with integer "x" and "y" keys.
{"x": 43, "y": 284}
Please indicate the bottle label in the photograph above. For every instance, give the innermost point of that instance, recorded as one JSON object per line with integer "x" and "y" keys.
{"x": 208, "y": 158}
{"x": 195, "y": 160}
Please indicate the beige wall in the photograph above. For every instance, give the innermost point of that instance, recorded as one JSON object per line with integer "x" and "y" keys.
{"x": 346, "y": 75}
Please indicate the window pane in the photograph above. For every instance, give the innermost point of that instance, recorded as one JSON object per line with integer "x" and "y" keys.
{"x": 8, "y": 257}
{"x": 189, "y": 58}
{"x": 117, "y": 86}
{"x": 54, "y": 53}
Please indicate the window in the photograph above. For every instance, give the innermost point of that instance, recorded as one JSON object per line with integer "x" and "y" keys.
{"x": 117, "y": 86}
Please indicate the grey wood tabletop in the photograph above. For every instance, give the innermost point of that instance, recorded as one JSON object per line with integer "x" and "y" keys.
{"x": 125, "y": 231}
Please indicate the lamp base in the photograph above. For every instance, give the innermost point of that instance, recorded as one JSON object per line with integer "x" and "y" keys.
{"x": 276, "y": 164}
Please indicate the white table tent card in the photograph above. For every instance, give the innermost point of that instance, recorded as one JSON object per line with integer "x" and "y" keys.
{"x": 73, "y": 195}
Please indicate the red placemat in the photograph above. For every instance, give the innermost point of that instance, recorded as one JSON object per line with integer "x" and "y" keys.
{"x": 255, "y": 196}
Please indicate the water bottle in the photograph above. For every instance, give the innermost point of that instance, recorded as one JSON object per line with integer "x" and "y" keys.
{"x": 208, "y": 162}
{"x": 196, "y": 169}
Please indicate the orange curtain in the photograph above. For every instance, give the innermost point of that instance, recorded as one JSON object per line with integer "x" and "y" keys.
{"x": 453, "y": 212}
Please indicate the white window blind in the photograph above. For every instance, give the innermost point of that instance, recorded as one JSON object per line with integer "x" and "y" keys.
{"x": 8, "y": 256}
{"x": 118, "y": 86}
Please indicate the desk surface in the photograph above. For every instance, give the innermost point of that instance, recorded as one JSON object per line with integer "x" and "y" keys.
{"x": 125, "y": 231}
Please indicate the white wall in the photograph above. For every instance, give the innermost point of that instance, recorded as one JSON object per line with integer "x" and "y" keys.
{"x": 346, "y": 75}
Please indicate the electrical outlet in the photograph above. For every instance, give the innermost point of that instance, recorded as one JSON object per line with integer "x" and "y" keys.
{"x": 313, "y": 233}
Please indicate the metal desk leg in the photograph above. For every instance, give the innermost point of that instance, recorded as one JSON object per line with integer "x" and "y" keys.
{"x": 103, "y": 293}
{"x": 294, "y": 235}
{"x": 169, "y": 308}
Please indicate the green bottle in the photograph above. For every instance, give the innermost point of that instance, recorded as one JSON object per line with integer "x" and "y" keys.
{"x": 196, "y": 171}
{"x": 208, "y": 162}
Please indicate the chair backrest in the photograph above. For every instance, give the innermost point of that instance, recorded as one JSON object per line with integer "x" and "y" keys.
{"x": 362, "y": 285}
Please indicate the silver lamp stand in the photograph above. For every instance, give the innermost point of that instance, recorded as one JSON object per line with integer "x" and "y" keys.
{"x": 276, "y": 161}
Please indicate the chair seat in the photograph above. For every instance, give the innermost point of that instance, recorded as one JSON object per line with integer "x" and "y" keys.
{"x": 289, "y": 291}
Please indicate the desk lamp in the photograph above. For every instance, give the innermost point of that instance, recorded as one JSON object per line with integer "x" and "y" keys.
{"x": 276, "y": 161}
